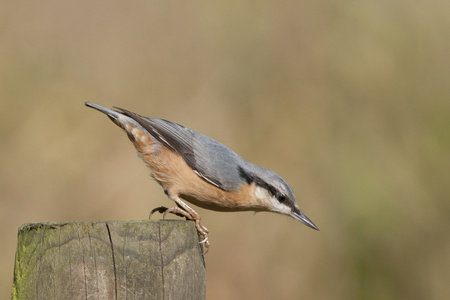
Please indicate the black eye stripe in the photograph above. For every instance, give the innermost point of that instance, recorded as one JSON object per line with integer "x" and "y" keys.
{"x": 247, "y": 177}
{"x": 250, "y": 178}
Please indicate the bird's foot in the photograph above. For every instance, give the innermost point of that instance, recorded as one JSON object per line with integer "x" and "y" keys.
{"x": 177, "y": 211}
{"x": 202, "y": 230}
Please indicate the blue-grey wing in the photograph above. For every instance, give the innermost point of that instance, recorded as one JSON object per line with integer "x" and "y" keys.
{"x": 208, "y": 158}
{"x": 216, "y": 162}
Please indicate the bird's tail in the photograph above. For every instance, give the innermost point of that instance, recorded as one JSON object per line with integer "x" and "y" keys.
{"x": 112, "y": 114}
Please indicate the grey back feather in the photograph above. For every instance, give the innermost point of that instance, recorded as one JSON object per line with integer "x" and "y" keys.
{"x": 209, "y": 159}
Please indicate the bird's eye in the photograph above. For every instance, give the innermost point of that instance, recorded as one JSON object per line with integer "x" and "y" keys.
{"x": 281, "y": 197}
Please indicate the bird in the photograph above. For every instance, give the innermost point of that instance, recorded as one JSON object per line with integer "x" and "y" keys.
{"x": 192, "y": 167}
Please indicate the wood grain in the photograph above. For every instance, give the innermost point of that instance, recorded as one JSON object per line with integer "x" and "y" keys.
{"x": 109, "y": 260}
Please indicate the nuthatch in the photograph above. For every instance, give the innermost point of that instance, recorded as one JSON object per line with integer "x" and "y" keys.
{"x": 202, "y": 171}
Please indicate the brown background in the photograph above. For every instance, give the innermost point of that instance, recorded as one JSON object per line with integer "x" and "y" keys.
{"x": 348, "y": 101}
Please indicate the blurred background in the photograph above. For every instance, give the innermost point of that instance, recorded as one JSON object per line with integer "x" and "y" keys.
{"x": 347, "y": 101}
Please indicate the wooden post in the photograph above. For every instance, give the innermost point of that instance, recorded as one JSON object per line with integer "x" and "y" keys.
{"x": 109, "y": 260}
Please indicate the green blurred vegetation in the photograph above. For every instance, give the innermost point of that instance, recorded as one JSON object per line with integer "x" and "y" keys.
{"x": 348, "y": 101}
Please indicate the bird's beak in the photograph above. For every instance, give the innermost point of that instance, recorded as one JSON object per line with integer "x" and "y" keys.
{"x": 298, "y": 215}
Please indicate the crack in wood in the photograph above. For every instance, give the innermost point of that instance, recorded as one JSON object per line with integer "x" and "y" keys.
{"x": 113, "y": 259}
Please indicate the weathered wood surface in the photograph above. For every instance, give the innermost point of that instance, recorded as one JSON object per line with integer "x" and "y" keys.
{"x": 109, "y": 260}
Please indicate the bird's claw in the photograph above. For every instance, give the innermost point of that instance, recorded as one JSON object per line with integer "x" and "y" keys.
{"x": 202, "y": 230}
{"x": 160, "y": 209}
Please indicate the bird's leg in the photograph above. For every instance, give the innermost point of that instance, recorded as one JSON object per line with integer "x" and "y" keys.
{"x": 191, "y": 214}
{"x": 184, "y": 210}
